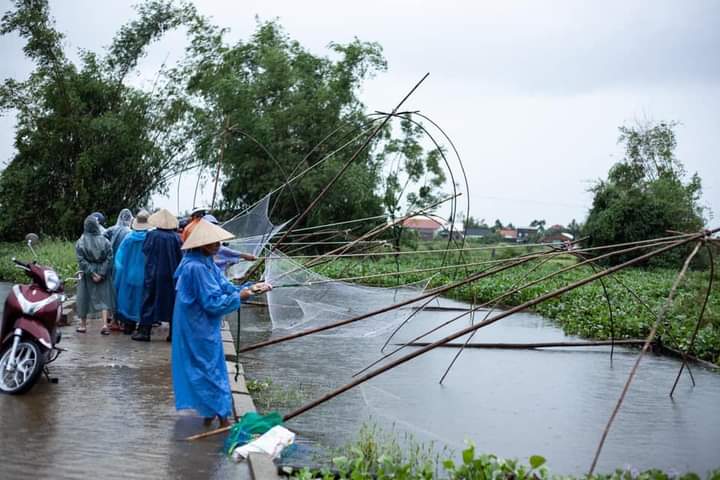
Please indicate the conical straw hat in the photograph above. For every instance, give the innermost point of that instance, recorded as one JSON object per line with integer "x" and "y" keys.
{"x": 206, "y": 233}
{"x": 140, "y": 222}
{"x": 163, "y": 219}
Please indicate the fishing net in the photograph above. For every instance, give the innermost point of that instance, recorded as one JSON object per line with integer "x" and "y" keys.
{"x": 303, "y": 299}
{"x": 253, "y": 230}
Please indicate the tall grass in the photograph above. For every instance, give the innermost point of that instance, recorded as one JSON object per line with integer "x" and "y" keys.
{"x": 58, "y": 254}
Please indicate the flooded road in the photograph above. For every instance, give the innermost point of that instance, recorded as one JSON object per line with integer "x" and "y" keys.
{"x": 111, "y": 415}
{"x": 553, "y": 403}
{"x": 112, "y": 411}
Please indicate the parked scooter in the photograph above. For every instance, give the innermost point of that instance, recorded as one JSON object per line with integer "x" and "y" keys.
{"x": 29, "y": 333}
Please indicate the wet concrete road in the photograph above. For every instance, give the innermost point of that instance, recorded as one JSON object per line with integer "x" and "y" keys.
{"x": 111, "y": 415}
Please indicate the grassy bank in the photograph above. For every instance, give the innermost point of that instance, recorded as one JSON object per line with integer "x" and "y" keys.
{"x": 583, "y": 311}
{"x": 59, "y": 254}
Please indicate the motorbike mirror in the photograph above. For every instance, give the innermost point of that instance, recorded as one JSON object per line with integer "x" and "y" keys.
{"x": 32, "y": 239}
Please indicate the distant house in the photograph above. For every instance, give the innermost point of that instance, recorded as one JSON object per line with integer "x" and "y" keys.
{"x": 457, "y": 231}
{"x": 426, "y": 227}
{"x": 508, "y": 234}
{"x": 478, "y": 232}
{"x": 525, "y": 233}
{"x": 556, "y": 236}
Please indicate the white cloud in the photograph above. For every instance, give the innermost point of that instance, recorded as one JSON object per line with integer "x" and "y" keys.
{"x": 531, "y": 92}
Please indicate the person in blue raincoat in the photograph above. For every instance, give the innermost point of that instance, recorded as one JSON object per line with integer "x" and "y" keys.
{"x": 204, "y": 296}
{"x": 130, "y": 273}
{"x": 163, "y": 255}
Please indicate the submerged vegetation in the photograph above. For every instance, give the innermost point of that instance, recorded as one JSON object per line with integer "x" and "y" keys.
{"x": 583, "y": 311}
{"x": 380, "y": 454}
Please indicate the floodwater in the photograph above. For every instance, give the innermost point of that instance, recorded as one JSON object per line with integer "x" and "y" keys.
{"x": 111, "y": 415}
{"x": 553, "y": 402}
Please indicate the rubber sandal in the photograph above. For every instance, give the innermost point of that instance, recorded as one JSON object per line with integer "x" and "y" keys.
{"x": 81, "y": 329}
{"x": 105, "y": 331}
{"x": 116, "y": 328}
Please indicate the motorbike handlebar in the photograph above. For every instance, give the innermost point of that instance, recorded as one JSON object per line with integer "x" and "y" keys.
{"x": 21, "y": 264}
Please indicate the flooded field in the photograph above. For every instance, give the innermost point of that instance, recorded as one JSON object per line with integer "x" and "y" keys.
{"x": 553, "y": 403}
{"x": 112, "y": 411}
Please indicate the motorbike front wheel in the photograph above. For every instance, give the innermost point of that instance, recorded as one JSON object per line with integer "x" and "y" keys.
{"x": 28, "y": 365}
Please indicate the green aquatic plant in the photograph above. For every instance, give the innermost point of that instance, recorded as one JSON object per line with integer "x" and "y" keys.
{"x": 379, "y": 454}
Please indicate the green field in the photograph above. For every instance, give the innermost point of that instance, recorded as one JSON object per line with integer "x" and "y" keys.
{"x": 583, "y": 311}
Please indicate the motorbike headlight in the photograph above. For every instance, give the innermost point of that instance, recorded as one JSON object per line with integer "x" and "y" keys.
{"x": 52, "y": 280}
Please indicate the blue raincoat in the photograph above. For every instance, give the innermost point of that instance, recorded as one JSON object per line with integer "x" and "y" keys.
{"x": 163, "y": 254}
{"x": 130, "y": 276}
{"x": 226, "y": 257}
{"x": 204, "y": 296}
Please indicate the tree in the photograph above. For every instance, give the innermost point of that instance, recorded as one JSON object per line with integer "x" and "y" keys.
{"x": 85, "y": 140}
{"x": 472, "y": 222}
{"x": 645, "y": 194}
{"x": 417, "y": 174}
{"x": 264, "y": 110}
{"x": 539, "y": 224}
{"x": 574, "y": 228}
{"x": 497, "y": 225}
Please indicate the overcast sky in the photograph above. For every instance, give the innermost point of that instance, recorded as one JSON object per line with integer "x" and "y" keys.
{"x": 531, "y": 92}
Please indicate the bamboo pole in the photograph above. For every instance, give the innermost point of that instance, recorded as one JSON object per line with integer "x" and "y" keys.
{"x": 512, "y": 291}
{"x": 324, "y": 191}
{"x": 699, "y": 322}
{"x": 432, "y": 292}
{"x": 525, "y": 346}
{"x": 489, "y": 321}
{"x": 648, "y": 340}
{"x": 462, "y": 332}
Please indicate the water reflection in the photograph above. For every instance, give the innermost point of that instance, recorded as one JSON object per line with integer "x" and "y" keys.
{"x": 110, "y": 416}
{"x": 512, "y": 403}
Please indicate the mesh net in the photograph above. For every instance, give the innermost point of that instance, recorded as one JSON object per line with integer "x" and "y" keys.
{"x": 302, "y": 299}
{"x": 253, "y": 230}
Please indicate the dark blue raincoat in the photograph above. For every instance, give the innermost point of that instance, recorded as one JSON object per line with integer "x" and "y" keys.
{"x": 163, "y": 255}
{"x": 130, "y": 276}
{"x": 204, "y": 296}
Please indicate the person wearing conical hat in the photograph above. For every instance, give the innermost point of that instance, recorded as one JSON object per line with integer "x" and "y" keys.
{"x": 195, "y": 216}
{"x": 129, "y": 273}
{"x": 226, "y": 256}
{"x": 204, "y": 296}
{"x": 162, "y": 253}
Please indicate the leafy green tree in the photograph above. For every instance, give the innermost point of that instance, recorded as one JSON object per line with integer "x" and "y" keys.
{"x": 415, "y": 174}
{"x": 85, "y": 140}
{"x": 497, "y": 225}
{"x": 472, "y": 222}
{"x": 574, "y": 228}
{"x": 265, "y": 110}
{"x": 539, "y": 224}
{"x": 646, "y": 193}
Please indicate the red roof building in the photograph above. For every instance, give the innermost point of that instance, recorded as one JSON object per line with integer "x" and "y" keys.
{"x": 425, "y": 226}
{"x": 508, "y": 233}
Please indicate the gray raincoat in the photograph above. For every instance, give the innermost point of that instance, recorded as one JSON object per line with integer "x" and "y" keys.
{"x": 94, "y": 255}
{"x": 116, "y": 234}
